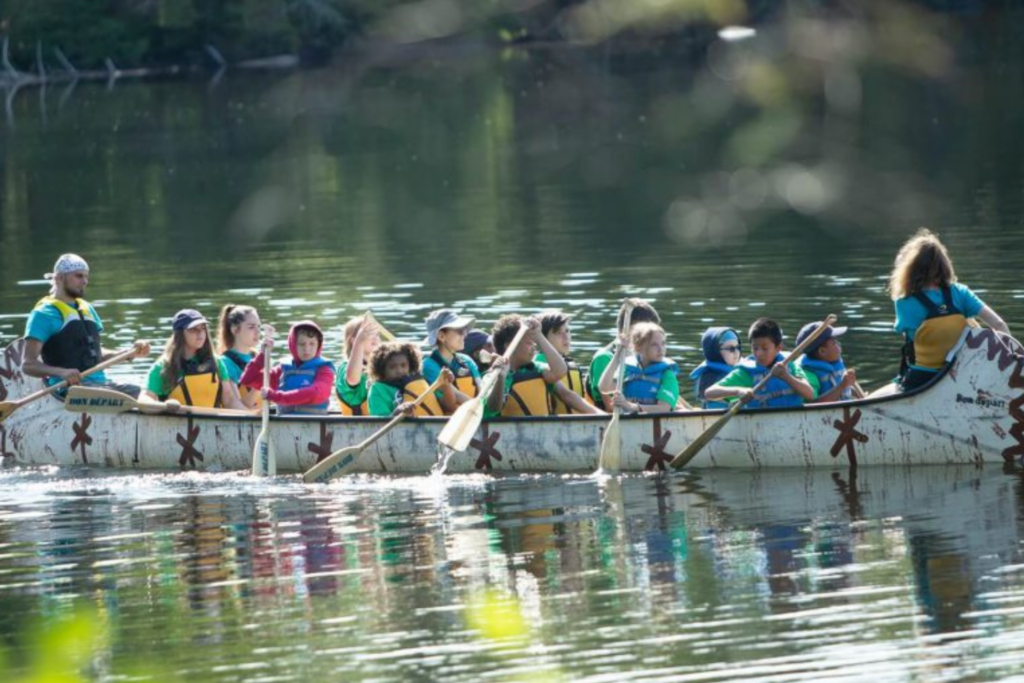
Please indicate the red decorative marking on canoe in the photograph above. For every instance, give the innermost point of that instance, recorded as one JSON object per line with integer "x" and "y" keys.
{"x": 848, "y": 434}
{"x": 12, "y": 367}
{"x": 659, "y": 458}
{"x": 82, "y": 438}
{"x": 995, "y": 345}
{"x": 324, "y": 448}
{"x": 189, "y": 453}
{"x": 487, "y": 450}
{"x": 1016, "y": 414}
{"x": 4, "y": 453}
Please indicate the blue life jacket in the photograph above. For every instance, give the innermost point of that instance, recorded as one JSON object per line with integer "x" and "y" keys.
{"x": 299, "y": 377}
{"x": 776, "y": 393}
{"x": 641, "y": 385}
{"x": 830, "y": 375}
{"x": 704, "y": 375}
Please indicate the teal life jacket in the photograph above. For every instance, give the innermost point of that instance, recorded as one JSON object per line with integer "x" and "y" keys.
{"x": 830, "y": 375}
{"x": 299, "y": 377}
{"x": 776, "y": 393}
{"x": 641, "y": 384}
{"x": 77, "y": 343}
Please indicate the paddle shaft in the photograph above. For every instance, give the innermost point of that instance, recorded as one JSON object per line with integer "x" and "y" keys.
{"x": 102, "y": 400}
{"x": 262, "y": 454}
{"x": 113, "y": 360}
{"x": 335, "y": 463}
{"x": 611, "y": 445}
{"x": 465, "y": 421}
{"x": 688, "y": 453}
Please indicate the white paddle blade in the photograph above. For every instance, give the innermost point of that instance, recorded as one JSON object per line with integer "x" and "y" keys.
{"x": 611, "y": 447}
{"x": 462, "y": 425}
{"x": 262, "y": 456}
{"x": 335, "y": 465}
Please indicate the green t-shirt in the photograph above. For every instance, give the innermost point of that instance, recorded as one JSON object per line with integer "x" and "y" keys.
{"x": 510, "y": 379}
{"x": 353, "y": 396}
{"x": 602, "y": 359}
{"x": 155, "y": 384}
{"x": 739, "y": 377}
{"x": 669, "y": 389}
{"x": 384, "y": 398}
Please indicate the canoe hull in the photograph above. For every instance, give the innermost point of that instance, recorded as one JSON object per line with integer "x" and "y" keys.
{"x": 972, "y": 415}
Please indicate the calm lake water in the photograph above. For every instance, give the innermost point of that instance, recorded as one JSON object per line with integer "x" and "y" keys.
{"x": 776, "y": 176}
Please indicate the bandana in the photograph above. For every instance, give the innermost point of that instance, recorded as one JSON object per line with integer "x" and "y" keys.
{"x": 67, "y": 263}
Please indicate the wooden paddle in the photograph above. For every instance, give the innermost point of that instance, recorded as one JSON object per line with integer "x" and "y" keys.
{"x": 264, "y": 455}
{"x": 611, "y": 444}
{"x": 462, "y": 425}
{"x": 85, "y": 399}
{"x": 384, "y": 332}
{"x": 8, "y": 407}
{"x": 688, "y": 453}
{"x": 341, "y": 460}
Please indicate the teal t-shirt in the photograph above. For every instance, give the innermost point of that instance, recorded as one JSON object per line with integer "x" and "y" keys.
{"x": 155, "y": 384}
{"x": 46, "y": 321}
{"x": 910, "y": 312}
{"x": 233, "y": 369}
{"x": 431, "y": 368}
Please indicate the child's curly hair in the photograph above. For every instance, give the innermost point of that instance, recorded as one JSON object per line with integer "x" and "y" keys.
{"x": 505, "y": 330}
{"x": 383, "y": 353}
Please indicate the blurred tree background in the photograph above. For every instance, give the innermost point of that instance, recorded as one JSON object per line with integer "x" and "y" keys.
{"x": 160, "y": 32}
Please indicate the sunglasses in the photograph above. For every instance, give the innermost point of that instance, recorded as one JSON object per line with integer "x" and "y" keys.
{"x": 730, "y": 349}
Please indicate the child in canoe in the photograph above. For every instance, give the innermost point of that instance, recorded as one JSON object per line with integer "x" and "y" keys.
{"x": 823, "y": 364}
{"x": 239, "y": 335}
{"x": 788, "y": 385}
{"x": 722, "y": 353}
{"x": 480, "y": 348}
{"x": 570, "y": 396}
{"x": 446, "y": 339}
{"x": 524, "y": 382}
{"x": 397, "y": 382}
{"x": 303, "y": 385}
{"x": 643, "y": 312}
{"x": 189, "y": 372}
{"x": 649, "y": 383}
{"x": 352, "y": 385}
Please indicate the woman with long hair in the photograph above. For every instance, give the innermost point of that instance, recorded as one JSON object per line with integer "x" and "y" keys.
{"x": 189, "y": 372}
{"x": 932, "y": 308}
{"x": 237, "y": 338}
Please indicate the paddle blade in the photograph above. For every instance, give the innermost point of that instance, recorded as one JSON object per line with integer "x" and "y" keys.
{"x": 611, "y": 446}
{"x": 336, "y": 464}
{"x": 97, "y": 400}
{"x": 264, "y": 460}
{"x": 6, "y": 408}
{"x": 462, "y": 425}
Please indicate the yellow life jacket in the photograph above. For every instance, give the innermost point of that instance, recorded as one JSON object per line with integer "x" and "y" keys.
{"x": 466, "y": 385}
{"x": 199, "y": 385}
{"x": 361, "y": 409}
{"x": 412, "y": 388}
{"x": 528, "y": 395}
{"x": 573, "y": 380}
{"x": 939, "y": 332}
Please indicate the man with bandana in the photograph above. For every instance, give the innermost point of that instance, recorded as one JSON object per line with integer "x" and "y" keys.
{"x": 62, "y": 336}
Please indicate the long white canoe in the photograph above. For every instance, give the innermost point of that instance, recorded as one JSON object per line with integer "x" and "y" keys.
{"x": 972, "y": 414}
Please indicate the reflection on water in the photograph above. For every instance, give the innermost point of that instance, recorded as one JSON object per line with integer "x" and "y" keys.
{"x": 891, "y": 574}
